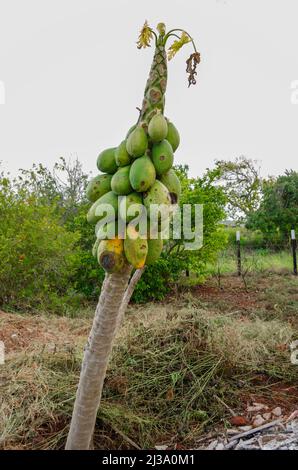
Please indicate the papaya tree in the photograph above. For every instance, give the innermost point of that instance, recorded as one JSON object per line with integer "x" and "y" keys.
{"x": 135, "y": 175}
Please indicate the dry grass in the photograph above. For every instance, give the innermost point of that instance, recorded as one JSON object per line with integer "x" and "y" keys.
{"x": 171, "y": 365}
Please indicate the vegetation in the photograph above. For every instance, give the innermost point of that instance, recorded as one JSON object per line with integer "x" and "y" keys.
{"x": 46, "y": 261}
{"x": 242, "y": 184}
{"x": 173, "y": 366}
{"x": 278, "y": 211}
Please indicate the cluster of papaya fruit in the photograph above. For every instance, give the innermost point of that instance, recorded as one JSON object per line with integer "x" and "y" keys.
{"x": 140, "y": 168}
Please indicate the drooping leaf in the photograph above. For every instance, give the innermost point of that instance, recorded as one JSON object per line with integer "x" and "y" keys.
{"x": 177, "y": 44}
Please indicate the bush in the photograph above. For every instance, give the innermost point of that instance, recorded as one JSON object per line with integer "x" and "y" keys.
{"x": 37, "y": 254}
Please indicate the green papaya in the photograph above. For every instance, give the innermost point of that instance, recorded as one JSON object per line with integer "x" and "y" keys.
{"x": 158, "y": 128}
{"x": 173, "y": 136}
{"x": 132, "y": 128}
{"x": 110, "y": 230}
{"x": 133, "y": 199}
{"x": 122, "y": 157}
{"x": 98, "y": 186}
{"x": 162, "y": 157}
{"x": 106, "y": 161}
{"x": 137, "y": 142}
{"x": 157, "y": 194}
{"x": 154, "y": 250}
{"x": 172, "y": 182}
{"x": 109, "y": 198}
{"x": 110, "y": 255}
{"x": 142, "y": 174}
{"x": 120, "y": 183}
{"x": 135, "y": 248}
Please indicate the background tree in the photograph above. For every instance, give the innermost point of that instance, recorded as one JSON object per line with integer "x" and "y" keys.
{"x": 278, "y": 211}
{"x": 64, "y": 185}
{"x": 242, "y": 184}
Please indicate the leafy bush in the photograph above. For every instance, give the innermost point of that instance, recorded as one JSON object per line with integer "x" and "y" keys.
{"x": 37, "y": 253}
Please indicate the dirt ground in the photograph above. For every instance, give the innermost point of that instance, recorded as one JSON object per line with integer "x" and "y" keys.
{"x": 268, "y": 297}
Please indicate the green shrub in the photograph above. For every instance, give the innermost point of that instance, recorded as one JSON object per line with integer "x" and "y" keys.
{"x": 37, "y": 253}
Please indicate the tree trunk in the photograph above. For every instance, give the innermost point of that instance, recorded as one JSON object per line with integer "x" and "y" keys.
{"x": 112, "y": 302}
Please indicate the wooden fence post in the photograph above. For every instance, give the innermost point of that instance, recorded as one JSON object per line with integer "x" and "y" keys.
{"x": 238, "y": 252}
{"x": 294, "y": 245}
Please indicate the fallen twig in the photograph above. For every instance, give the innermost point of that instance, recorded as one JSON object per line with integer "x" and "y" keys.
{"x": 126, "y": 438}
{"x": 225, "y": 405}
{"x": 255, "y": 430}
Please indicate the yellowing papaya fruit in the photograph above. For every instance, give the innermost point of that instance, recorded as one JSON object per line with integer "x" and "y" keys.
{"x": 135, "y": 248}
{"x": 110, "y": 255}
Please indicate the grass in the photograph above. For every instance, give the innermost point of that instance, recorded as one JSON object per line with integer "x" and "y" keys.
{"x": 173, "y": 365}
{"x": 252, "y": 261}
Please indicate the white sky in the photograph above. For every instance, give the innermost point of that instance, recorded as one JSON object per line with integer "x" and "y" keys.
{"x": 73, "y": 78}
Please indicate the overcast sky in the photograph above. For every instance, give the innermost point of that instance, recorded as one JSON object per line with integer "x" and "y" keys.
{"x": 73, "y": 78}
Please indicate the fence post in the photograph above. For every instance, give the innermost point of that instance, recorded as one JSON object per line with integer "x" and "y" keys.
{"x": 294, "y": 244}
{"x": 238, "y": 252}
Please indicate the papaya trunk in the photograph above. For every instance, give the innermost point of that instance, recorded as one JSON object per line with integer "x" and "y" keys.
{"x": 95, "y": 361}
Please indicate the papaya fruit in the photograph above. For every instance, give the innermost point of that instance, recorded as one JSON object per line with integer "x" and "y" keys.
{"x": 158, "y": 128}
{"x": 106, "y": 161}
{"x": 172, "y": 182}
{"x": 135, "y": 248}
{"x": 110, "y": 255}
{"x": 120, "y": 183}
{"x": 98, "y": 186}
{"x": 109, "y": 230}
{"x": 122, "y": 157}
{"x": 142, "y": 174}
{"x": 173, "y": 136}
{"x": 137, "y": 142}
{"x": 162, "y": 157}
{"x": 154, "y": 250}
{"x": 157, "y": 194}
{"x": 133, "y": 199}
{"x": 109, "y": 198}
{"x": 132, "y": 128}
